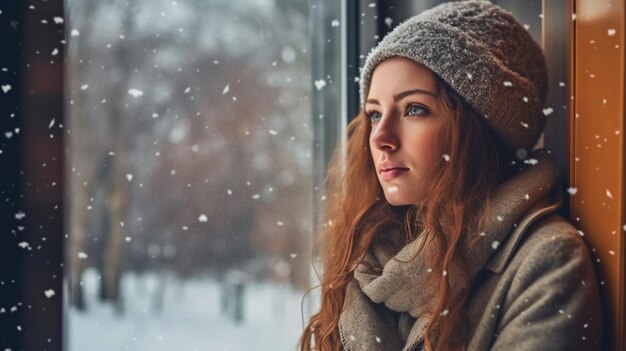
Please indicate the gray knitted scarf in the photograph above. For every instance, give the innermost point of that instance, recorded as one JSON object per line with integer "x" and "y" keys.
{"x": 381, "y": 311}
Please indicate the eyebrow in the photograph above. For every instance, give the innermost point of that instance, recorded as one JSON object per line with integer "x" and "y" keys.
{"x": 402, "y": 95}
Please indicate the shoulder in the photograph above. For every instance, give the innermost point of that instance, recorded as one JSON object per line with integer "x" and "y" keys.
{"x": 552, "y": 242}
{"x": 551, "y": 285}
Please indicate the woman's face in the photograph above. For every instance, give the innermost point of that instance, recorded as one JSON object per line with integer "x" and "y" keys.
{"x": 406, "y": 120}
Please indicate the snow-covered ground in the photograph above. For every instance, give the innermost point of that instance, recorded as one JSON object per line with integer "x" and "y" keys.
{"x": 190, "y": 318}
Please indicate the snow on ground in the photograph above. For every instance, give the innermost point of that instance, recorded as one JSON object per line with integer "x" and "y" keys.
{"x": 190, "y": 318}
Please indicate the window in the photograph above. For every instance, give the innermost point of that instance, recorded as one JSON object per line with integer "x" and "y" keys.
{"x": 190, "y": 174}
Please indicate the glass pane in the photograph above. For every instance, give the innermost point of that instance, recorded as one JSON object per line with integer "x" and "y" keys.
{"x": 190, "y": 148}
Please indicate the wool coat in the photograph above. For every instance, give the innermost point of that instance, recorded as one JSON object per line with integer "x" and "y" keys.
{"x": 533, "y": 287}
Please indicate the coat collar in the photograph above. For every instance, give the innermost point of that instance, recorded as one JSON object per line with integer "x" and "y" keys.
{"x": 515, "y": 205}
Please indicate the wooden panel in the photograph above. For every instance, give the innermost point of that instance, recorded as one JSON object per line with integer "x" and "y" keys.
{"x": 597, "y": 144}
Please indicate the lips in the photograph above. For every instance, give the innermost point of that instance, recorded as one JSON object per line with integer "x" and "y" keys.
{"x": 391, "y": 170}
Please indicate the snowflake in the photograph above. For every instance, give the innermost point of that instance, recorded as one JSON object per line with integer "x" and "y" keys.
{"x": 319, "y": 84}
{"x": 531, "y": 161}
{"x": 203, "y": 218}
{"x": 49, "y": 293}
{"x": 135, "y": 92}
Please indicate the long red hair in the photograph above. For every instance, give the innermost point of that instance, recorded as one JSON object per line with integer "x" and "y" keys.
{"x": 356, "y": 216}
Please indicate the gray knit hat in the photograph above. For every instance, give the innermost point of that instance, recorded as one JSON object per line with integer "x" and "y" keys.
{"x": 485, "y": 55}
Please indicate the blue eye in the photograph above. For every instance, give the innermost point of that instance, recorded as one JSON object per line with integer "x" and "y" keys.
{"x": 374, "y": 116}
{"x": 416, "y": 110}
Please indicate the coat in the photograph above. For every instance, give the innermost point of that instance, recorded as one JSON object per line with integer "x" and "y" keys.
{"x": 533, "y": 287}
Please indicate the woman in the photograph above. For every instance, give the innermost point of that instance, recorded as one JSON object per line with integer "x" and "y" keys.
{"x": 440, "y": 231}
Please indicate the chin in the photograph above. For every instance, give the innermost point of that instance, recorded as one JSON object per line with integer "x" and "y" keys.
{"x": 395, "y": 200}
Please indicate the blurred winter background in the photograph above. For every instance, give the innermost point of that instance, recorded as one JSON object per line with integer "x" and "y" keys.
{"x": 189, "y": 173}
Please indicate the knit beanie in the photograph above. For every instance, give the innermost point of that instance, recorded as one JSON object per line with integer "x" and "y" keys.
{"x": 485, "y": 55}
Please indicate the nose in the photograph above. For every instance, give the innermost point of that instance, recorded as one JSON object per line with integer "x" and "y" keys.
{"x": 384, "y": 134}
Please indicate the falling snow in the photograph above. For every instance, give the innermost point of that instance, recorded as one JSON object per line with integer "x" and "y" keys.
{"x": 203, "y": 218}
{"x": 49, "y": 293}
{"x": 531, "y": 161}
{"x": 572, "y": 190}
{"x": 135, "y": 93}
{"x": 319, "y": 84}
{"x": 20, "y": 215}
{"x": 82, "y": 255}
{"x": 6, "y": 88}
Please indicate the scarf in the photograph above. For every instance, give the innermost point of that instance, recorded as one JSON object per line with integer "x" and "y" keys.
{"x": 381, "y": 310}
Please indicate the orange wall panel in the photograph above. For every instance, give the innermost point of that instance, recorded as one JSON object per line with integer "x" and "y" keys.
{"x": 597, "y": 147}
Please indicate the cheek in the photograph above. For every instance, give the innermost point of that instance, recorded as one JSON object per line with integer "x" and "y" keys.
{"x": 426, "y": 146}
{"x": 372, "y": 148}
